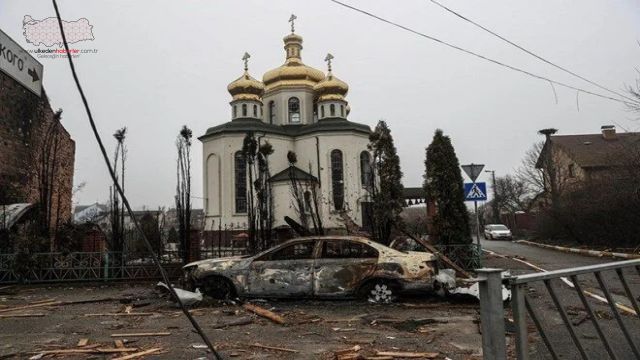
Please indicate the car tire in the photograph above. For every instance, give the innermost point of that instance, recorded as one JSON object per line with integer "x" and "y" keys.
{"x": 380, "y": 291}
{"x": 218, "y": 287}
{"x": 491, "y": 237}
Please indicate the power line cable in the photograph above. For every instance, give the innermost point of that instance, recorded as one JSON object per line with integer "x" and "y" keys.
{"x": 156, "y": 261}
{"x": 469, "y": 52}
{"x": 530, "y": 52}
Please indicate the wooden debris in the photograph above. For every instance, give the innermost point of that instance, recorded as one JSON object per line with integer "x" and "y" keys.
{"x": 83, "y": 342}
{"x": 142, "y": 334}
{"x": 138, "y": 354}
{"x": 264, "y": 313}
{"x": 122, "y": 314}
{"x": 441, "y": 256}
{"x": 118, "y": 344}
{"x": 237, "y": 322}
{"x": 348, "y": 354}
{"x": 408, "y": 355}
{"x": 21, "y": 315}
{"x": 52, "y": 303}
{"x": 85, "y": 351}
{"x": 41, "y": 301}
{"x": 273, "y": 348}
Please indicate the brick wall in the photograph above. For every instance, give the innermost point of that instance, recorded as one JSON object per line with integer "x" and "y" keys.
{"x": 26, "y": 122}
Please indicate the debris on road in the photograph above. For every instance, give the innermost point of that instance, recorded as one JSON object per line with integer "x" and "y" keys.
{"x": 139, "y": 354}
{"x": 347, "y": 354}
{"x": 237, "y": 322}
{"x": 188, "y": 298}
{"x": 264, "y": 313}
{"x": 408, "y": 355}
{"x": 142, "y": 334}
{"x": 258, "y": 345}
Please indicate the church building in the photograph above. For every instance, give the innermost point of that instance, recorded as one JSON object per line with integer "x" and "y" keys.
{"x": 295, "y": 108}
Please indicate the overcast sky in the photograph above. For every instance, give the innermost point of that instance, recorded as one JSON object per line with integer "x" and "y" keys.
{"x": 164, "y": 64}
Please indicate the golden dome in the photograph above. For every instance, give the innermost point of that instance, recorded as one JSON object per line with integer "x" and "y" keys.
{"x": 331, "y": 88}
{"x": 246, "y": 88}
{"x": 294, "y": 72}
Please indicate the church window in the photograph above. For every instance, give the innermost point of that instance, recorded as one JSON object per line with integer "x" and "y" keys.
{"x": 294, "y": 110}
{"x": 342, "y": 110}
{"x": 240, "y": 183}
{"x": 272, "y": 112}
{"x": 322, "y": 111}
{"x": 244, "y": 110}
{"x": 366, "y": 172}
{"x": 332, "y": 109}
{"x": 255, "y": 111}
{"x": 235, "y": 111}
{"x": 337, "y": 179}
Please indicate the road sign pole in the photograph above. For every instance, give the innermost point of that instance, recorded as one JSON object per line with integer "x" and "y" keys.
{"x": 475, "y": 206}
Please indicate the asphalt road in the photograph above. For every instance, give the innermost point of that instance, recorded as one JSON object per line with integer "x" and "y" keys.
{"x": 552, "y": 322}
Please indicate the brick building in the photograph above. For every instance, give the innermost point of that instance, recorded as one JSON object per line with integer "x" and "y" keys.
{"x": 36, "y": 154}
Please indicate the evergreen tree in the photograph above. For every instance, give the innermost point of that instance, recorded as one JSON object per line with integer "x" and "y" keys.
{"x": 443, "y": 185}
{"x": 386, "y": 190}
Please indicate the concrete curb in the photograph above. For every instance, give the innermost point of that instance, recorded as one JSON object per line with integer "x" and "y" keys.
{"x": 593, "y": 253}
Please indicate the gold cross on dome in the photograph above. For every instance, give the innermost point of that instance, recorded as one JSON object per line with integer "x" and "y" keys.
{"x": 328, "y": 60}
{"x": 292, "y": 20}
{"x": 246, "y": 60}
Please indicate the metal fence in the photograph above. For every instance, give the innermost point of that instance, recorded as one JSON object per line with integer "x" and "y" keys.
{"x": 83, "y": 266}
{"x": 492, "y": 311}
{"x": 467, "y": 256}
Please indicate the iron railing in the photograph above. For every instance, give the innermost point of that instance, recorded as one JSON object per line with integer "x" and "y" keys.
{"x": 83, "y": 266}
{"x": 492, "y": 311}
{"x": 468, "y": 256}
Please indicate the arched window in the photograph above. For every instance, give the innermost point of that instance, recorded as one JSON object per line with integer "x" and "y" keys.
{"x": 337, "y": 179}
{"x": 244, "y": 110}
{"x": 322, "y": 111}
{"x": 332, "y": 109}
{"x": 272, "y": 112}
{"x": 366, "y": 173}
{"x": 255, "y": 111}
{"x": 294, "y": 110}
{"x": 240, "y": 180}
{"x": 342, "y": 110}
{"x": 235, "y": 111}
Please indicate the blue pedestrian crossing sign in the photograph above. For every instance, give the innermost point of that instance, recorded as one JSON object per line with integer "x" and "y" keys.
{"x": 475, "y": 191}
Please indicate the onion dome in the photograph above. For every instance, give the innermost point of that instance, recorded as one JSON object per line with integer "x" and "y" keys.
{"x": 293, "y": 72}
{"x": 331, "y": 88}
{"x": 246, "y": 87}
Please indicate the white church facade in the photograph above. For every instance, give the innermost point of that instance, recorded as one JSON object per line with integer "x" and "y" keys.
{"x": 294, "y": 108}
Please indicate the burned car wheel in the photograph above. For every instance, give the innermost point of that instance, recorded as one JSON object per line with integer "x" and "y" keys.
{"x": 380, "y": 291}
{"x": 218, "y": 288}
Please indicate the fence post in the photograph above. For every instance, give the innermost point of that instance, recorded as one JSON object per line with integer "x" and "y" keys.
{"x": 520, "y": 320}
{"x": 106, "y": 266}
{"x": 492, "y": 314}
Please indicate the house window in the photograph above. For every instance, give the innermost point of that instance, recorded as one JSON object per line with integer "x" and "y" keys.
{"x": 294, "y": 110}
{"x": 235, "y": 111}
{"x": 322, "y": 111}
{"x": 332, "y": 110}
{"x": 255, "y": 111}
{"x": 342, "y": 110}
{"x": 366, "y": 173}
{"x": 272, "y": 112}
{"x": 337, "y": 179}
{"x": 240, "y": 183}
{"x": 244, "y": 110}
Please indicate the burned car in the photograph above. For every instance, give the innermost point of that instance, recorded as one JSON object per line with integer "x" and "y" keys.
{"x": 322, "y": 267}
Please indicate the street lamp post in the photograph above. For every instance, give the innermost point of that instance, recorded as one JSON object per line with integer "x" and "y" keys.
{"x": 495, "y": 206}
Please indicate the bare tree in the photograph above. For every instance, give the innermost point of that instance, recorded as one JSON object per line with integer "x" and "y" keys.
{"x": 116, "y": 206}
{"x": 183, "y": 191}
{"x": 528, "y": 173}
{"x": 513, "y": 193}
{"x": 305, "y": 197}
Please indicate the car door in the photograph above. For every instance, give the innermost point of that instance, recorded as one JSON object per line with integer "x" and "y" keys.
{"x": 341, "y": 267}
{"x": 286, "y": 271}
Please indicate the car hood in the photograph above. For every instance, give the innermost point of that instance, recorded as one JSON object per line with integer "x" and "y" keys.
{"x": 223, "y": 263}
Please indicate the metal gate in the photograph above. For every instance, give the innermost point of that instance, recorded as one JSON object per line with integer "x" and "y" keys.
{"x": 493, "y": 321}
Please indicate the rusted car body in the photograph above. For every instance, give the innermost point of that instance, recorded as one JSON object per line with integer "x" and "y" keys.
{"x": 325, "y": 267}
